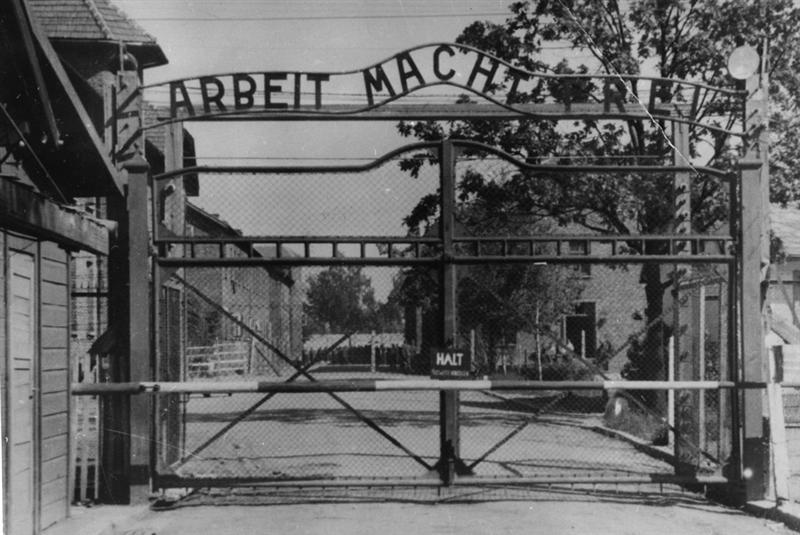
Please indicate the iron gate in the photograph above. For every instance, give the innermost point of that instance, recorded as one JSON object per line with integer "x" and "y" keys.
{"x": 575, "y": 378}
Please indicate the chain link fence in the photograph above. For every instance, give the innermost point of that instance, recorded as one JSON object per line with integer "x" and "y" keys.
{"x": 576, "y": 318}
{"x": 598, "y": 331}
{"x": 558, "y": 433}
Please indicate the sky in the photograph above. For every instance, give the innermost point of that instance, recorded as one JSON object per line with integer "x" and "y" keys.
{"x": 213, "y": 37}
{"x": 201, "y": 37}
{"x": 205, "y": 37}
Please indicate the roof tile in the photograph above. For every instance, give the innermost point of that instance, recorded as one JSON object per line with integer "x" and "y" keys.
{"x": 87, "y": 19}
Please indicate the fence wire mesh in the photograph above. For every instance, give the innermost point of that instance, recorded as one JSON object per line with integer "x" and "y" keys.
{"x": 247, "y": 335}
{"x": 558, "y": 321}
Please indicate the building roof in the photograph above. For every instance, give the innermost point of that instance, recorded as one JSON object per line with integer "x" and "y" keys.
{"x": 216, "y": 226}
{"x": 71, "y": 154}
{"x": 156, "y": 143}
{"x": 781, "y": 323}
{"x": 95, "y": 21}
{"x": 785, "y": 223}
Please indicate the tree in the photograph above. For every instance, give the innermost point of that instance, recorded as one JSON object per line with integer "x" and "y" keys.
{"x": 389, "y": 314}
{"x": 680, "y": 39}
{"x": 340, "y": 299}
{"x": 497, "y": 301}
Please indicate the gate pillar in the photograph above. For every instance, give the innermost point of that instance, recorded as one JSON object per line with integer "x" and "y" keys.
{"x": 127, "y": 420}
{"x": 139, "y": 317}
{"x": 754, "y": 261}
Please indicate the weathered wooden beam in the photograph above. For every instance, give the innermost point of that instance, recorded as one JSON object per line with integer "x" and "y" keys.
{"x": 23, "y": 209}
{"x": 163, "y": 388}
{"x": 140, "y": 326}
{"x": 110, "y": 177}
{"x": 21, "y": 14}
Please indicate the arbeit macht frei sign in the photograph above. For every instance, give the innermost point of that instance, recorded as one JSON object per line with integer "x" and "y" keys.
{"x": 473, "y": 73}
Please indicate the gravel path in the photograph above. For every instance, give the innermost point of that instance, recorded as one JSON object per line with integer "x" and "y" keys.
{"x": 552, "y": 512}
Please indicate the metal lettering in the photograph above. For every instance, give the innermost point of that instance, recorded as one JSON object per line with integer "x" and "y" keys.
{"x": 478, "y": 68}
{"x": 209, "y": 98}
{"x": 412, "y": 72}
{"x": 269, "y": 89}
{"x": 659, "y": 92}
{"x": 297, "y": 90}
{"x": 516, "y": 76}
{"x": 437, "y": 70}
{"x": 613, "y": 94}
{"x": 184, "y": 102}
{"x": 243, "y": 99}
{"x": 377, "y": 83}
{"x": 449, "y": 359}
{"x": 695, "y": 102}
{"x": 318, "y": 78}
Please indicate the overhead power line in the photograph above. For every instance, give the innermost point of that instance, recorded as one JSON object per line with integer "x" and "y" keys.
{"x": 322, "y": 17}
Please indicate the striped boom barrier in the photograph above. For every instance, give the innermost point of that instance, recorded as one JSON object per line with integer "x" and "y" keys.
{"x": 376, "y": 385}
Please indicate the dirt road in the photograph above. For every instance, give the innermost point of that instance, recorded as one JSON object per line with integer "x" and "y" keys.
{"x": 527, "y": 512}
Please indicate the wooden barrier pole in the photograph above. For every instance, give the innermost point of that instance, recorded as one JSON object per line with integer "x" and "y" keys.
{"x": 386, "y": 385}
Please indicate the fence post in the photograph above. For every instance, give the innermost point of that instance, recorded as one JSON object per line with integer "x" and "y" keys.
{"x": 777, "y": 427}
{"x": 372, "y": 353}
{"x": 701, "y": 351}
{"x": 671, "y": 392}
{"x": 449, "y": 459}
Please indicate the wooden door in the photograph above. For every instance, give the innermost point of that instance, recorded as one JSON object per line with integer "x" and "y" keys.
{"x": 22, "y": 323}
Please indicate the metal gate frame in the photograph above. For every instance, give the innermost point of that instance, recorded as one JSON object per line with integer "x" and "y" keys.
{"x": 742, "y": 248}
{"x": 443, "y": 253}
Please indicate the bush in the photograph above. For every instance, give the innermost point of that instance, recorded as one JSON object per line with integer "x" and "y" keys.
{"x": 563, "y": 369}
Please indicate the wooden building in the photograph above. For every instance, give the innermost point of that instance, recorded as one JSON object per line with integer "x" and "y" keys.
{"x": 49, "y": 155}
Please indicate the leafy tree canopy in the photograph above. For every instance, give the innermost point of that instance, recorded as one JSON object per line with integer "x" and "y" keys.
{"x": 668, "y": 38}
{"x": 684, "y": 39}
{"x": 341, "y": 299}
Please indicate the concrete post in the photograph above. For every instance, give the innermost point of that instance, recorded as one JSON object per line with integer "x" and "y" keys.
{"x": 754, "y": 181}
{"x": 140, "y": 318}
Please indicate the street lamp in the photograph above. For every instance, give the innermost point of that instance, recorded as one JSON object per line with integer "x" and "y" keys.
{"x": 743, "y": 62}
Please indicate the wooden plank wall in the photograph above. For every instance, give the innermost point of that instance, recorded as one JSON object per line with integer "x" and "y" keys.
{"x": 54, "y": 384}
{"x": 22, "y": 313}
{"x": 3, "y": 372}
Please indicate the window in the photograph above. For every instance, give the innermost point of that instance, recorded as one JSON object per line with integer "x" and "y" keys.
{"x": 580, "y": 329}
{"x": 237, "y": 327}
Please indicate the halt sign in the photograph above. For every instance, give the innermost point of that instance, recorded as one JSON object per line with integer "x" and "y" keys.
{"x": 451, "y": 363}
